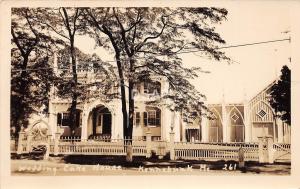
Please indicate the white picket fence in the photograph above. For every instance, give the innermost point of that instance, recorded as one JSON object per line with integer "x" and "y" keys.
{"x": 212, "y": 152}
{"x": 282, "y": 152}
{"x": 142, "y": 147}
{"x": 227, "y": 151}
{"x": 100, "y": 146}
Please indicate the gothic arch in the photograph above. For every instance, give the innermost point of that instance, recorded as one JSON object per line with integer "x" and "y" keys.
{"x": 218, "y": 114}
{"x": 256, "y": 105}
{"x": 264, "y": 102}
{"x": 239, "y": 112}
{"x": 97, "y": 103}
{"x": 38, "y": 122}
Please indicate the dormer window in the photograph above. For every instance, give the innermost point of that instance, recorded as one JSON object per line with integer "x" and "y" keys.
{"x": 152, "y": 88}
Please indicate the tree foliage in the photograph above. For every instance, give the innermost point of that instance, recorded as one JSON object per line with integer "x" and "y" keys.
{"x": 64, "y": 23}
{"x": 95, "y": 77}
{"x": 147, "y": 41}
{"x": 31, "y": 50}
{"x": 281, "y": 95}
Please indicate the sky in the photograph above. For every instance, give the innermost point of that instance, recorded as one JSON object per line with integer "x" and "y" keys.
{"x": 253, "y": 67}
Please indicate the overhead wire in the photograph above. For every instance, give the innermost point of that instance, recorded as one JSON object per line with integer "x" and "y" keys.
{"x": 183, "y": 52}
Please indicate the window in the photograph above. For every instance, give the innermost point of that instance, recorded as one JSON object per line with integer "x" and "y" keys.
{"x": 152, "y": 88}
{"x": 137, "y": 118}
{"x": 234, "y": 117}
{"x": 99, "y": 120}
{"x": 59, "y": 118}
{"x": 152, "y": 117}
{"x": 261, "y": 113}
{"x": 137, "y": 89}
{"x": 65, "y": 119}
{"x": 145, "y": 118}
{"x": 146, "y": 85}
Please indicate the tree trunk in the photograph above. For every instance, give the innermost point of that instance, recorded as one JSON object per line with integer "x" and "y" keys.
{"x": 123, "y": 95}
{"x": 131, "y": 115}
{"x": 131, "y": 100}
{"x": 20, "y": 109}
{"x": 72, "y": 118}
{"x": 122, "y": 86}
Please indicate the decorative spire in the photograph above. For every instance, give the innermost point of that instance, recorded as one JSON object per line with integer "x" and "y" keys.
{"x": 245, "y": 96}
{"x": 223, "y": 96}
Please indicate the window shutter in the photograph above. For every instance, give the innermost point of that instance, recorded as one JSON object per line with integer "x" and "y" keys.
{"x": 58, "y": 118}
{"x": 137, "y": 118}
{"x": 145, "y": 118}
{"x": 158, "y": 117}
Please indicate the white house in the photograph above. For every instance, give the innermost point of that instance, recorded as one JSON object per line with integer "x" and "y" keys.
{"x": 242, "y": 122}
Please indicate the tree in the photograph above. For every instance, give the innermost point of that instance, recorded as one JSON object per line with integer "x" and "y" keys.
{"x": 30, "y": 60}
{"x": 64, "y": 23}
{"x": 281, "y": 95}
{"x": 147, "y": 41}
{"x": 89, "y": 66}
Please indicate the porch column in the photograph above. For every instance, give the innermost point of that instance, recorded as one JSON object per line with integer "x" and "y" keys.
{"x": 248, "y": 130}
{"x": 183, "y": 129}
{"x": 204, "y": 129}
{"x": 172, "y": 146}
{"x": 280, "y": 131}
{"x": 226, "y": 136}
{"x": 52, "y": 119}
{"x": 84, "y": 125}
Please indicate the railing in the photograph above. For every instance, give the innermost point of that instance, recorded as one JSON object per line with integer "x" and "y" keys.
{"x": 13, "y": 146}
{"x": 282, "y": 152}
{"x": 216, "y": 151}
{"x": 117, "y": 147}
{"x": 139, "y": 148}
{"x": 233, "y": 144}
{"x": 160, "y": 147}
{"x": 92, "y": 149}
{"x": 251, "y": 153}
{"x": 282, "y": 147}
{"x": 192, "y": 151}
{"x": 70, "y": 139}
{"x": 104, "y": 145}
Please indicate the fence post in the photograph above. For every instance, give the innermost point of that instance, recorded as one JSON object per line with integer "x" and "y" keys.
{"x": 56, "y": 142}
{"x": 28, "y": 145}
{"x": 270, "y": 149}
{"x": 148, "y": 144}
{"x": 241, "y": 158}
{"x": 20, "y": 141}
{"x": 46, "y": 156}
{"x": 265, "y": 149}
{"x": 261, "y": 147}
{"x": 172, "y": 145}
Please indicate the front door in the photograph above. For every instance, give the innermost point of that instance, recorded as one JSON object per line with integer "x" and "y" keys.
{"x": 106, "y": 124}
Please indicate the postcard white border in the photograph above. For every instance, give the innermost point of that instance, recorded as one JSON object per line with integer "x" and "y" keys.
{"x": 8, "y": 181}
